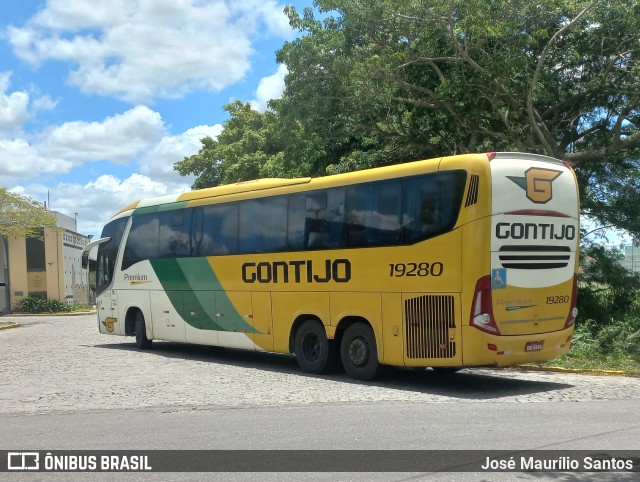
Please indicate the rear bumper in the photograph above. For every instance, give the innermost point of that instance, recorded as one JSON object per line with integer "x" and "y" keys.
{"x": 484, "y": 349}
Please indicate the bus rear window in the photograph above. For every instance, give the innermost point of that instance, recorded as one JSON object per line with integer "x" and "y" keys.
{"x": 431, "y": 204}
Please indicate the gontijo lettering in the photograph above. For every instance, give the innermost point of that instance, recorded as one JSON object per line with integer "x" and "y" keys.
{"x": 338, "y": 270}
{"x": 535, "y": 231}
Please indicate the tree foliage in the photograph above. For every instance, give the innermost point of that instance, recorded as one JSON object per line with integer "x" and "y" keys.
{"x": 21, "y": 216}
{"x": 251, "y": 146}
{"x": 607, "y": 290}
{"x": 376, "y": 83}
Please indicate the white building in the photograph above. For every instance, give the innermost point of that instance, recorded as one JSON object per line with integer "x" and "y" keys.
{"x": 50, "y": 268}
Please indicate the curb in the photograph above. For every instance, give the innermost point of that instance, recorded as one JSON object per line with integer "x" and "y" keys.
{"x": 60, "y": 313}
{"x": 9, "y": 325}
{"x": 5, "y": 325}
{"x": 581, "y": 371}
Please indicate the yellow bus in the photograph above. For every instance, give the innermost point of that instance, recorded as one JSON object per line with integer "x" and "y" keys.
{"x": 460, "y": 261}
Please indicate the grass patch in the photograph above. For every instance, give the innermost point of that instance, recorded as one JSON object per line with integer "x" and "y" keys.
{"x": 615, "y": 346}
{"x": 33, "y": 304}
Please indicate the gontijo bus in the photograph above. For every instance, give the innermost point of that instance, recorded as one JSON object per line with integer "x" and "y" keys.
{"x": 459, "y": 261}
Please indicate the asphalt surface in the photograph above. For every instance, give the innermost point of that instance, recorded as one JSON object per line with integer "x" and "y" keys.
{"x": 63, "y": 385}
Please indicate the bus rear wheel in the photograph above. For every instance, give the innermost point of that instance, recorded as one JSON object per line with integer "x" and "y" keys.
{"x": 314, "y": 352}
{"x": 142, "y": 341}
{"x": 359, "y": 353}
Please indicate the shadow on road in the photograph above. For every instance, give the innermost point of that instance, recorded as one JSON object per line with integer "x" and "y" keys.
{"x": 465, "y": 384}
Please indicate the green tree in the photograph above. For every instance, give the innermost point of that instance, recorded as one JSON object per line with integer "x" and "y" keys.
{"x": 560, "y": 78}
{"x": 420, "y": 79}
{"x": 607, "y": 290}
{"x": 250, "y": 146}
{"x": 375, "y": 83}
{"x": 21, "y": 216}
{"x": 382, "y": 82}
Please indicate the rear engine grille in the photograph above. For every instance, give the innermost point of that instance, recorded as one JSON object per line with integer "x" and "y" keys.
{"x": 472, "y": 194}
{"x": 534, "y": 257}
{"x": 427, "y": 322}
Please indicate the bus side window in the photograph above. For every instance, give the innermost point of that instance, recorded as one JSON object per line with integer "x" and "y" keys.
{"x": 174, "y": 238}
{"x": 142, "y": 242}
{"x": 296, "y": 215}
{"x": 273, "y": 220}
{"x": 249, "y": 232}
{"x": 324, "y": 222}
{"x": 219, "y": 233}
{"x": 374, "y": 214}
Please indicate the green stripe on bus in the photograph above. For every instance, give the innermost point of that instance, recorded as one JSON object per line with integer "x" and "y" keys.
{"x": 197, "y": 295}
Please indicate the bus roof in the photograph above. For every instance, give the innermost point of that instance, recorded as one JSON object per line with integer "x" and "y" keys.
{"x": 396, "y": 170}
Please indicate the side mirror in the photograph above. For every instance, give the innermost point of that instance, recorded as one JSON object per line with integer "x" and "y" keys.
{"x": 87, "y": 249}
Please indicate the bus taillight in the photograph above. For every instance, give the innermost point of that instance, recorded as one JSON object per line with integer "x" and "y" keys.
{"x": 482, "y": 310}
{"x": 573, "y": 311}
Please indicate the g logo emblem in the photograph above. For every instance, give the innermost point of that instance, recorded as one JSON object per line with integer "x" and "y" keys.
{"x": 108, "y": 323}
{"x": 537, "y": 184}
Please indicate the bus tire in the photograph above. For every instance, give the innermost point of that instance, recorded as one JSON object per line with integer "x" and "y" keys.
{"x": 142, "y": 341}
{"x": 359, "y": 352}
{"x": 314, "y": 353}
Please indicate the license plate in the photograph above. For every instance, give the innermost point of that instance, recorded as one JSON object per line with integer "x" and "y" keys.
{"x": 533, "y": 346}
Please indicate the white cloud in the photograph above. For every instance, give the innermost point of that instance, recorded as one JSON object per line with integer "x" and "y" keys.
{"x": 138, "y": 51}
{"x": 158, "y": 162}
{"x": 270, "y": 87}
{"x": 18, "y": 159}
{"x": 137, "y": 136}
{"x": 16, "y": 108}
{"x": 44, "y": 103}
{"x": 73, "y": 15}
{"x": 98, "y": 200}
{"x": 119, "y": 138}
{"x": 269, "y": 12}
{"x": 13, "y": 107}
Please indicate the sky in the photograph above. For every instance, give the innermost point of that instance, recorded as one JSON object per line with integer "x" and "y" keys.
{"x": 99, "y": 98}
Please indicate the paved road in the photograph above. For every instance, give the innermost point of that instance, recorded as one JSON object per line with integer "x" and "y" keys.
{"x": 65, "y": 386}
{"x": 62, "y": 364}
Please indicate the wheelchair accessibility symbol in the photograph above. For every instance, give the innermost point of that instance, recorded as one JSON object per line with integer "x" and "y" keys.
{"x": 498, "y": 278}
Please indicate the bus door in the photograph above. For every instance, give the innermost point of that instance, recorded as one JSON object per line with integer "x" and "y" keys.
{"x": 106, "y": 299}
{"x": 432, "y": 331}
{"x": 107, "y": 306}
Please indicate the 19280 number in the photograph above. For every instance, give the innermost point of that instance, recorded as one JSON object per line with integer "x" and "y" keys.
{"x": 553, "y": 300}
{"x": 415, "y": 269}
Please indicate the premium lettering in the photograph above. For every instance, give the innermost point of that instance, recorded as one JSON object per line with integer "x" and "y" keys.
{"x": 297, "y": 271}
{"x": 535, "y": 231}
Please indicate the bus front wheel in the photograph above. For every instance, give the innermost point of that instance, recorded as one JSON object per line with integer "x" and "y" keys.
{"x": 314, "y": 352}
{"x": 359, "y": 353}
{"x": 141, "y": 333}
